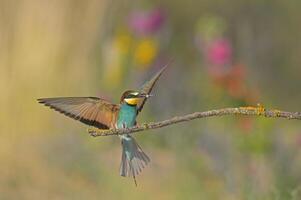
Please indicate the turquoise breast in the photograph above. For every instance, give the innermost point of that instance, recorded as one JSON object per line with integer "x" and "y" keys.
{"x": 127, "y": 116}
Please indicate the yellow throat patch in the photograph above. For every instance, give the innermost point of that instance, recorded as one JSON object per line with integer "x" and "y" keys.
{"x": 132, "y": 101}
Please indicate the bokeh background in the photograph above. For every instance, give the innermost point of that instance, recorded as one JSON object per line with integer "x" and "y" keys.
{"x": 225, "y": 54}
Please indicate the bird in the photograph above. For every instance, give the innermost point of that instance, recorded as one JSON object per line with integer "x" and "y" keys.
{"x": 101, "y": 115}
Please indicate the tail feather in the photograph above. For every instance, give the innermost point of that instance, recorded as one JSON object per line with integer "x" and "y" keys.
{"x": 138, "y": 165}
{"x": 141, "y": 154}
{"x": 133, "y": 159}
{"x": 124, "y": 165}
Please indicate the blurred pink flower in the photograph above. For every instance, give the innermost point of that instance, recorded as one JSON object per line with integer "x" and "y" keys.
{"x": 219, "y": 52}
{"x": 146, "y": 22}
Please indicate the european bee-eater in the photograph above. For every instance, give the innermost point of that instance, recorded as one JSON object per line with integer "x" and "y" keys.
{"x": 104, "y": 115}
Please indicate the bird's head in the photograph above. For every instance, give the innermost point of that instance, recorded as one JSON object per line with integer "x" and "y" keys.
{"x": 132, "y": 97}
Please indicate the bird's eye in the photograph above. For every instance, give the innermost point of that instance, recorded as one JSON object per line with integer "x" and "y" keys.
{"x": 130, "y": 96}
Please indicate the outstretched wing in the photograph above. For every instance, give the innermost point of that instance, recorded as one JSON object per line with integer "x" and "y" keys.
{"x": 148, "y": 86}
{"x": 89, "y": 110}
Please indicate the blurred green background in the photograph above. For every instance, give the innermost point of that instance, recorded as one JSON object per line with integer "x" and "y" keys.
{"x": 226, "y": 54}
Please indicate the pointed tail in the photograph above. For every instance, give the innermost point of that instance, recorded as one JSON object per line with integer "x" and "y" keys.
{"x": 133, "y": 159}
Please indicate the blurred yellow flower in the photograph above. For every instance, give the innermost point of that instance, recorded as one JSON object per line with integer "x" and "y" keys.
{"x": 145, "y": 52}
{"x": 123, "y": 42}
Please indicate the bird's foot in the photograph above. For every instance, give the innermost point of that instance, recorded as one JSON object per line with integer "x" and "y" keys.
{"x": 125, "y": 130}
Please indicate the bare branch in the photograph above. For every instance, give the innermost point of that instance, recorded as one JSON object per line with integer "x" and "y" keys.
{"x": 251, "y": 111}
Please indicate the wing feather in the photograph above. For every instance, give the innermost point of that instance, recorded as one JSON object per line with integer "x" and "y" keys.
{"x": 89, "y": 110}
{"x": 148, "y": 86}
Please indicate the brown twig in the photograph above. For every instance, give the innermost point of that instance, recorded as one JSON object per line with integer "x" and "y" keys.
{"x": 251, "y": 111}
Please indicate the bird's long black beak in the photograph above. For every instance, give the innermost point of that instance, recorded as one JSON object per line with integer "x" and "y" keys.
{"x": 142, "y": 95}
